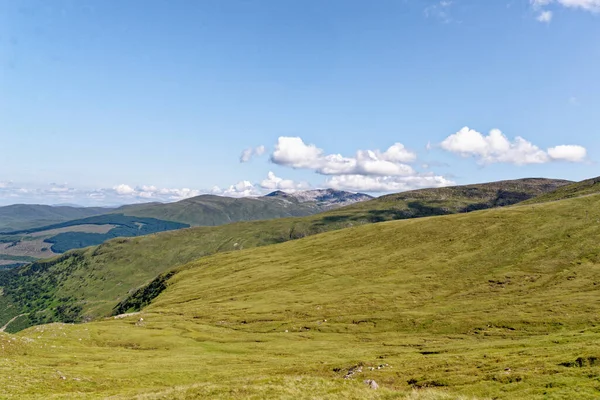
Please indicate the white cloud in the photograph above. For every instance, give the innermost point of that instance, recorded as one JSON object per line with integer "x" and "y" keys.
{"x": 124, "y": 190}
{"x": 150, "y": 193}
{"x": 361, "y": 183}
{"x": 248, "y": 189}
{"x": 570, "y": 153}
{"x": 398, "y": 153}
{"x": 368, "y": 170}
{"x": 496, "y": 148}
{"x": 439, "y": 10}
{"x": 545, "y": 16}
{"x": 293, "y": 152}
{"x": 588, "y": 5}
{"x": 273, "y": 182}
{"x": 240, "y": 189}
{"x": 251, "y": 152}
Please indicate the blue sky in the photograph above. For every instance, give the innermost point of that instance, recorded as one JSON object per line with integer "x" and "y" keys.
{"x": 107, "y": 102}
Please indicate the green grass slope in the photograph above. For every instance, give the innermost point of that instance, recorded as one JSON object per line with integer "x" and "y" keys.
{"x": 216, "y": 210}
{"x": 578, "y": 189}
{"x": 89, "y": 283}
{"x": 27, "y": 216}
{"x": 495, "y": 304}
{"x": 448, "y": 200}
{"x": 209, "y": 210}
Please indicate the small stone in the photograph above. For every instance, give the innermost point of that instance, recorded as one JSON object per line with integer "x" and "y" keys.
{"x": 372, "y": 384}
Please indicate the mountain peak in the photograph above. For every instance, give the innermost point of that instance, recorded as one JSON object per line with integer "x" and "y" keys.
{"x": 323, "y": 197}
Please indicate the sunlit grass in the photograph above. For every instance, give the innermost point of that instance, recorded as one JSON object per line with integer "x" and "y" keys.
{"x": 493, "y": 304}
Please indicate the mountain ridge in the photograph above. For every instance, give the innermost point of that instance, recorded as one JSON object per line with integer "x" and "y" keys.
{"x": 132, "y": 262}
{"x": 497, "y": 303}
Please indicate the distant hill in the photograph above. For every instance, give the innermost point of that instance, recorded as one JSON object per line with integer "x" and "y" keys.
{"x": 578, "y": 189}
{"x": 27, "y": 216}
{"x": 35, "y": 242}
{"x": 210, "y": 210}
{"x": 446, "y": 200}
{"x": 323, "y": 198}
{"x": 97, "y": 279}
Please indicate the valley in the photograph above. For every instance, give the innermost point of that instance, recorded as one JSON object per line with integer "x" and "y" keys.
{"x": 91, "y": 283}
{"x": 44, "y": 241}
{"x": 373, "y": 302}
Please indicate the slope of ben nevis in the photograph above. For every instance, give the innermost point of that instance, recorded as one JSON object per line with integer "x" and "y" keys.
{"x": 491, "y": 304}
{"x": 86, "y": 284}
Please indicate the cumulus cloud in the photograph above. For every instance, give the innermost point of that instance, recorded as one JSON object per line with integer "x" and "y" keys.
{"x": 368, "y": 170}
{"x": 274, "y": 182}
{"x": 11, "y": 193}
{"x": 545, "y": 15}
{"x": 124, "y": 190}
{"x": 252, "y": 152}
{"x": 293, "y": 152}
{"x": 587, "y": 5}
{"x": 570, "y": 153}
{"x": 496, "y": 148}
{"x": 150, "y": 193}
{"x": 240, "y": 189}
{"x": 271, "y": 183}
{"x": 62, "y": 193}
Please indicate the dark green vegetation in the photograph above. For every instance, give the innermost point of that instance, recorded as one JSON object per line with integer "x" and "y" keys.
{"x": 92, "y": 282}
{"x": 493, "y": 304}
{"x": 8, "y": 262}
{"x": 578, "y": 189}
{"x": 124, "y": 226}
{"x": 26, "y": 216}
{"x": 208, "y": 210}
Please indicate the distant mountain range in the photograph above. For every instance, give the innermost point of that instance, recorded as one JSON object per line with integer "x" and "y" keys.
{"x": 77, "y": 227}
{"x": 323, "y": 198}
{"x": 38, "y": 231}
{"x": 210, "y": 210}
{"x": 98, "y": 280}
{"x": 25, "y": 216}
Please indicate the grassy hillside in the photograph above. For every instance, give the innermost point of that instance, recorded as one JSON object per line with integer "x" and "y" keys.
{"x": 583, "y": 188}
{"x": 449, "y": 200}
{"x": 495, "y": 304}
{"x": 208, "y": 210}
{"x": 27, "y": 216}
{"x": 89, "y": 283}
{"x": 216, "y": 210}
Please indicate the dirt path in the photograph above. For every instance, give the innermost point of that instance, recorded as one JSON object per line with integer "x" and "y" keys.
{"x": 11, "y": 321}
{"x": 125, "y": 315}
